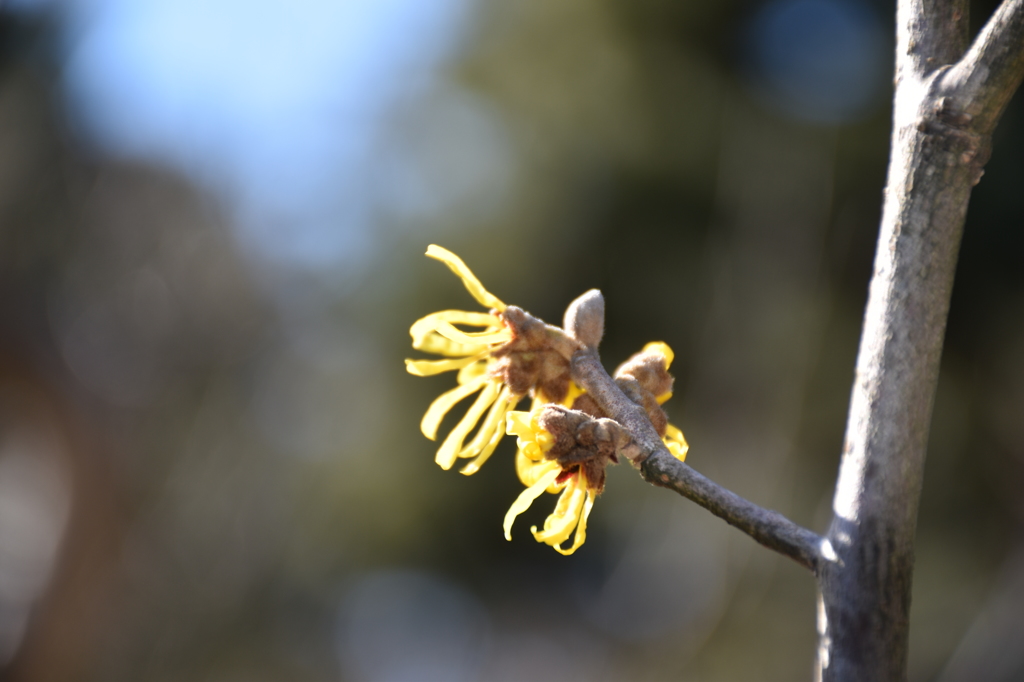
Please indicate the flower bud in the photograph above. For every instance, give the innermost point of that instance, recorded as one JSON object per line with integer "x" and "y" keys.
{"x": 584, "y": 318}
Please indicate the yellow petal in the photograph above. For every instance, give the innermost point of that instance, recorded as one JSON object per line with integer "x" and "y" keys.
{"x": 574, "y": 392}
{"x": 469, "y": 317}
{"x": 526, "y": 498}
{"x": 425, "y": 337}
{"x": 664, "y": 397}
{"x": 558, "y": 526}
{"x": 438, "y": 345}
{"x": 530, "y": 471}
{"x": 427, "y": 324}
{"x": 443, "y": 403}
{"x": 426, "y": 368}
{"x": 534, "y": 442}
{"x": 676, "y": 442}
{"x": 473, "y": 371}
{"x": 661, "y": 348}
{"x": 449, "y": 449}
{"x": 485, "y": 454}
{"x": 495, "y": 418}
{"x": 473, "y": 285}
{"x": 678, "y": 451}
{"x": 674, "y": 433}
{"x": 490, "y": 430}
{"x": 487, "y": 338}
{"x": 518, "y": 424}
{"x": 530, "y": 449}
{"x": 581, "y": 529}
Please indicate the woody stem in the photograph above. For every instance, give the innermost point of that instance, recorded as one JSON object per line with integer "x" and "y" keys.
{"x": 659, "y": 467}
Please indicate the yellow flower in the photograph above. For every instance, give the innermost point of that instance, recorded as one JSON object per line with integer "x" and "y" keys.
{"x": 511, "y": 355}
{"x": 540, "y": 474}
{"x": 649, "y": 368}
{"x": 469, "y": 352}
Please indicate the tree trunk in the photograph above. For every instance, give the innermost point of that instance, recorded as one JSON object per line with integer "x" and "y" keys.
{"x": 942, "y": 122}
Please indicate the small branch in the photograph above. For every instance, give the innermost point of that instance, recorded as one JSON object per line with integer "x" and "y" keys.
{"x": 659, "y": 467}
{"x": 768, "y": 527}
{"x": 983, "y": 81}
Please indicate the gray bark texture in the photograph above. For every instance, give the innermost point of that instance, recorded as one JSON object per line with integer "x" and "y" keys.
{"x": 947, "y": 103}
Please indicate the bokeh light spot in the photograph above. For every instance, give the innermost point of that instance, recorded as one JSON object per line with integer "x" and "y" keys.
{"x": 822, "y": 61}
{"x": 411, "y": 626}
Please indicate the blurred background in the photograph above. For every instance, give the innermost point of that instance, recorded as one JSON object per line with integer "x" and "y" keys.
{"x": 212, "y": 224}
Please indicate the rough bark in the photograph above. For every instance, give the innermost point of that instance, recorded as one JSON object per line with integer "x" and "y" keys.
{"x": 945, "y": 109}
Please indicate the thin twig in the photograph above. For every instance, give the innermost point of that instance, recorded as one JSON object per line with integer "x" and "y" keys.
{"x": 658, "y": 466}
{"x": 984, "y": 80}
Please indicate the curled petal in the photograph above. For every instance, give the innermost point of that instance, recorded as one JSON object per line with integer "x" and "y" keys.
{"x": 581, "y": 529}
{"x": 443, "y": 403}
{"x": 526, "y": 498}
{"x": 495, "y": 418}
{"x": 531, "y": 449}
{"x": 426, "y": 368}
{"x": 451, "y": 446}
{"x": 438, "y": 345}
{"x": 534, "y": 441}
{"x": 560, "y": 523}
{"x": 530, "y": 471}
{"x": 518, "y": 424}
{"x": 467, "y": 317}
{"x": 473, "y": 285}
{"x": 489, "y": 435}
{"x": 487, "y": 338}
{"x": 676, "y": 442}
{"x": 425, "y": 337}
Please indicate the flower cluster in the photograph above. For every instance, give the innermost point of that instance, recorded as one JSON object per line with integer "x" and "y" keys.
{"x": 562, "y": 451}
{"x": 566, "y": 451}
{"x": 565, "y": 441}
{"x": 510, "y": 354}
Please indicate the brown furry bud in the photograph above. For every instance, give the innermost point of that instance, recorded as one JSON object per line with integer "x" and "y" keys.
{"x": 650, "y": 370}
{"x": 583, "y": 442}
{"x": 535, "y": 359}
{"x": 584, "y": 318}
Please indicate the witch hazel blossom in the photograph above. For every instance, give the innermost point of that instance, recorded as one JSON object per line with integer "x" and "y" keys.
{"x": 566, "y": 452}
{"x": 565, "y": 441}
{"x": 509, "y": 354}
